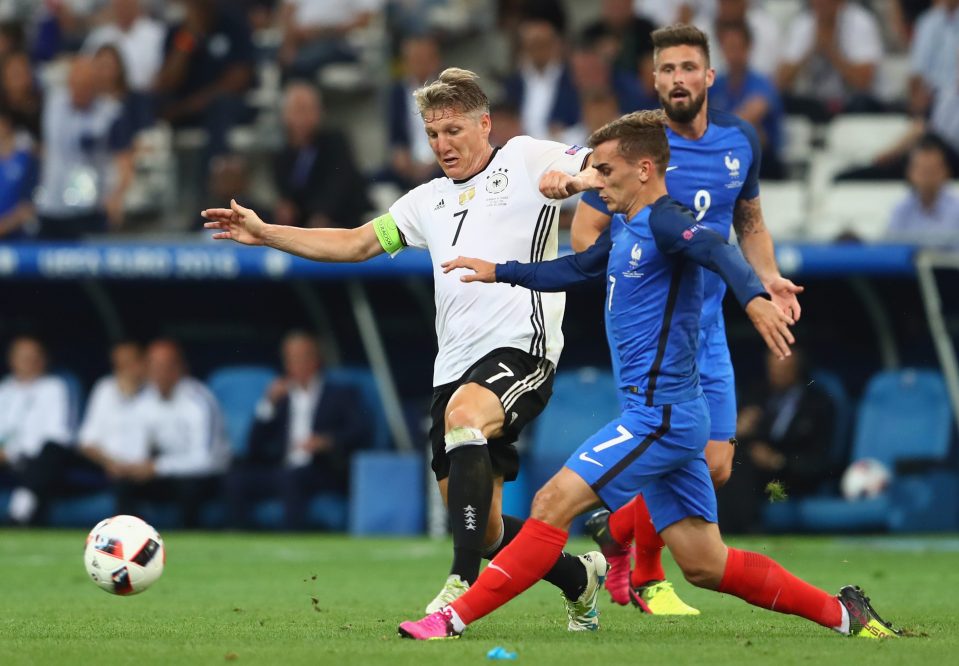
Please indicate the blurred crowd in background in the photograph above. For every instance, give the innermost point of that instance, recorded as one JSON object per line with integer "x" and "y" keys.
{"x": 127, "y": 116}
{"x": 123, "y": 118}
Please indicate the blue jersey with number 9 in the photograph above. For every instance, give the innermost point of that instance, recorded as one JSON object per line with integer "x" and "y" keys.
{"x": 709, "y": 175}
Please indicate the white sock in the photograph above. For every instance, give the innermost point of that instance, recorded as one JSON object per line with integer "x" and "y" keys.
{"x": 843, "y": 627}
{"x": 22, "y": 505}
{"x": 458, "y": 625}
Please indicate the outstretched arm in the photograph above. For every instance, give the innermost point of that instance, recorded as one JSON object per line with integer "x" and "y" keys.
{"x": 554, "y": 275}
{"x": 757, "y": 245}
{"x": 244, "y": 226}
{"x": 710, "y": 250}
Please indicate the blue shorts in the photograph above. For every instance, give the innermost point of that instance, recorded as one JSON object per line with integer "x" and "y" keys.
{"x": 654, "y": 450}
{"x": 717, "y": 379}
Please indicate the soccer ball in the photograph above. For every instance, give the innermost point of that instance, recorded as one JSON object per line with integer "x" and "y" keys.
{"x": 124, "y": 555}
{"x": 864, "y": 478}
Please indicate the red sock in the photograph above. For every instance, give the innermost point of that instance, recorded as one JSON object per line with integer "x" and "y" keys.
{"x": 762, "y": 582}
{"x": 621, "y": 524}
{"x": 649, "y": 547}
{"x": 524, "y": 561}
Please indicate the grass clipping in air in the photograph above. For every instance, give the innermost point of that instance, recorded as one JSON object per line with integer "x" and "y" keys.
{"x": 776, "y": 491}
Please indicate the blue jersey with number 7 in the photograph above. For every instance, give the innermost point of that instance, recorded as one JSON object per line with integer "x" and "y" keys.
{"x": 708, "y": 176}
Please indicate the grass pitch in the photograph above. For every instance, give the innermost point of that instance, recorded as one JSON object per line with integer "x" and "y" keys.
{"x": 306, "y": 599}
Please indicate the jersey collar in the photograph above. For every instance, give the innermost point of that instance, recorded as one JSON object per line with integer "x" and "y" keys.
{"x": 492, "y": 156}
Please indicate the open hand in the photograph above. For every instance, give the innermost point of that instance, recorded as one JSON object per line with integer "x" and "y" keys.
{"x": 235, "y": 223}
{"x": 784, "y": 293}
{"x": 773, "y": 324}
{"x": 485, "y": 271}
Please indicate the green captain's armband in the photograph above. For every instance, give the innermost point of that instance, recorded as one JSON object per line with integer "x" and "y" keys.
{"x": 388, "y": 234}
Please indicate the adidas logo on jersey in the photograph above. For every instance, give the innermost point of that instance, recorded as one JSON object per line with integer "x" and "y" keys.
{"x": 441, "y": 204}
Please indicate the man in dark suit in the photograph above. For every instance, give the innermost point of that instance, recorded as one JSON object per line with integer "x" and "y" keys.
{"x": 303, "y": 435}
{"x": 786, "y": 432}
{"x": 315, "y": 173}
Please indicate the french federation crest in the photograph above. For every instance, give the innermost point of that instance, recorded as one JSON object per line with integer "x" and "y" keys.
{"x": 635, "y": 255}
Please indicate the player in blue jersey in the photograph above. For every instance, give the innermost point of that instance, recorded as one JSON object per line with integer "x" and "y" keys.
{"x": 713, "y": 171}
{"x": 651, "y": 262}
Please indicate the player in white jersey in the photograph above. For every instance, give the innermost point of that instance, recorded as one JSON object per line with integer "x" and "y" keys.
{"x": 497, "y": 347}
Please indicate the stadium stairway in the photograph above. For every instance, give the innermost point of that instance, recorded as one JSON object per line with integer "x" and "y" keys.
{"x": 905, "y": 422}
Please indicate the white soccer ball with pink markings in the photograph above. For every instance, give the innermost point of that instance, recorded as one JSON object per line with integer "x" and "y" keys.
{"x": 124, "y": 555}
{"x": 864, "y": 478}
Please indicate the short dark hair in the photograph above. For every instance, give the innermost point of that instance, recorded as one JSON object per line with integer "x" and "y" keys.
{"x": 640, "y": 134}
{"x": 680, "y": 34}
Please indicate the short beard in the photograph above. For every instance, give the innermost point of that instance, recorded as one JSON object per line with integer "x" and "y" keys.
{"x": 686, "y": 114}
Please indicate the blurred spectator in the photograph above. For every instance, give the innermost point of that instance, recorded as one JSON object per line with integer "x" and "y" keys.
{"x": 114, "y": 428}
{"x": 766, "y": 49}
{"x": 113, "y": 434}
{"x": 61, "y": 27}
{"x": 18, "y": 179}
{"x": 542, "y": 85}
{"x": 34, "y": 412}
{"x": 230, "y": 178}
{"x": 785, "y": 429}
{"x": 185, "y": 436}
{"x": 305, "y": 431}
{"x": 11, "y": 38}
{"x": 629, "y": 32}
{"x": 19, "y": 93}
{"x": 88, "y": 160}
{"x": 749, "y": 95}
{"x": 832, "y": 51}
{"x": 207, "y": 67}
{"x": 597, "y": 108}
{"x": 505, "y": 121}
{"x": 111, "y": 75}
{"x": 594, "y": 75}
{"x": 902, "y": 16}
{"x": 934, "y": 55}
{"x": 315, "y": 173}
{"x": 411, "y": 159}
{"x": 666, "y": 12}
{"x": 316, "y": 33}
{"x": 943, "y": 125}
{"x": 930, "y": 214}
{"x": 137, "y": 36}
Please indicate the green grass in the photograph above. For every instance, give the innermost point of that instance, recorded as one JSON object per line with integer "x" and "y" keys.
{"x": 304, "y": 599}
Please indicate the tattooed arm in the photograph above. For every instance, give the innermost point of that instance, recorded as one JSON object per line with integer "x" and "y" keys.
{"x": 757, "y": 245}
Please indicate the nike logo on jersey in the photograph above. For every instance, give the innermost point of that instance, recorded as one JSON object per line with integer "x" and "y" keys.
{"x": 670, "y": 168}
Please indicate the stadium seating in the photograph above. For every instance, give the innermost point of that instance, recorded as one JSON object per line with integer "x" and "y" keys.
{"x": 363, "y": 380}
{"x": 387, "y": 493}
{"x": 785, "y": 208}
{"x": 861, "y": 208}
{"x": 583, "y": 401}
{"x": 238, "y": 388}
{"x": 905, "y": 422}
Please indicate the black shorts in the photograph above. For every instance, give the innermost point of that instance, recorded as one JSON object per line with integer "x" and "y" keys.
{"x": 522, "y": 382}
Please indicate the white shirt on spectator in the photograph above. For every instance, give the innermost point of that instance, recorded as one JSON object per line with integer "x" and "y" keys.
{"x": 936, "y": 226}
{"x": 934, "y": 52}
{"x": 303, "y": 402}
{"x": 858, "y": 37}
{"x": 944, "y": 120}
{"x": 115, "y": 423}
{"x": 186, "y": 430}
{"x": 77, "y": 167}
{"x": 539, "y": 95}
{"x": 666, "y": 12}
{"x": 32, "y": 414}
{"x": 141, "y": 48}
{"x": 330, "y": 12}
